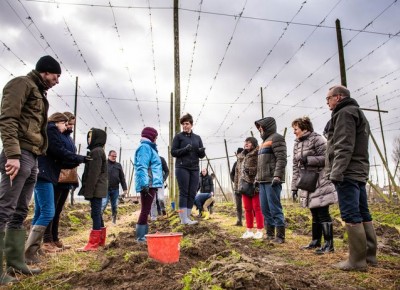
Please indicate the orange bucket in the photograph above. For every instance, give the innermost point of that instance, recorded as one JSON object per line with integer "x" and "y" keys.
{"x": 164, "y": 247}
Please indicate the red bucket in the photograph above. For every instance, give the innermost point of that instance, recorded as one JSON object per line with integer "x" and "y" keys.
{"x": 164, "y": 247}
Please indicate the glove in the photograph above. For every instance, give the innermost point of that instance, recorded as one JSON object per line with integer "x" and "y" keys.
{"x": 88, "y": 159}
{"x": 294, "y": 195}
{"x": 145, "y": 190}
{"x": 256, "y": 186}
{"x": 237, "y": 192}
{"x": 276, "y": 181}
{"x": 303, "y": 160}
{"x": 247, "y": 171}
{"x": 201, "y": 150}
{"x": 124, "y": 193}
{"x": 188, "y": 147}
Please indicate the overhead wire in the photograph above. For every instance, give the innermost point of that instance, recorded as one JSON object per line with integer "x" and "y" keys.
{"x": 192, "y": 58}
{"x": 155, "y": 73}
{"x": 127, "y": 64}
{"x": 258, "y": 69}
{"x": 39, "y": 43}
{"x": 54, "y": 2}
{"x": 222, "y": 60}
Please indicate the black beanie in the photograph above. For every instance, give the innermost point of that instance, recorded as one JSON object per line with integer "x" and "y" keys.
{"x": 48, "y": 64}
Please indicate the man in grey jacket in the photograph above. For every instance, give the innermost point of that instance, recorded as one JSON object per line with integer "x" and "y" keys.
{"x": 271, "y": 166}
{"x": 347, "y": 165}
{"x": 23, "y": 123}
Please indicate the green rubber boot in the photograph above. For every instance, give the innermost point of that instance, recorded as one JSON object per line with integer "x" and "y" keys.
{"x": 15, "y": 253}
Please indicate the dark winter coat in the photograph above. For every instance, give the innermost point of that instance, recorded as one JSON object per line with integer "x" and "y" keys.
{"x": 206, "y": 183}
{"x": 115, "y": 176}
{"x": 57, "y": 153}
{"x": 23, "y": 118}
{"x": 272, "y": 157}
{"x": 94, "y": 178}
{"x": 347, "y": 146}
{"x": 188, "y": 159}
{"x": 233, "y": 170}
{"x": 311, "y": 147}
{"x": 165, "y": 169}
{"x": 246, "y": 167}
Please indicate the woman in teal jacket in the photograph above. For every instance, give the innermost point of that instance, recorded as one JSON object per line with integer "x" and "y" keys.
{"x": 148, "y": 177}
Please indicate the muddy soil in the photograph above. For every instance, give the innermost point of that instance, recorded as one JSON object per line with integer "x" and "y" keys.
{"x": 212, "y": 257}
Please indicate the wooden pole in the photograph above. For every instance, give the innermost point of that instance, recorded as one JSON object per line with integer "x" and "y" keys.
{"x": 177, "y": 67}
{"x": 209, "y": 164}
{"x": 384, "y": 144}
{"x": 229, "y": 165}
{"x": 341, "y": 54}
{"x": 262, "y": 103}
{"x": 75, "y": 107}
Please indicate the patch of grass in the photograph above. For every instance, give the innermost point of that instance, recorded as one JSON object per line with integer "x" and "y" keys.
{"x": 387, "y": 258}
{"x": 197, "y": 276}
{"x": 186, "y": 242}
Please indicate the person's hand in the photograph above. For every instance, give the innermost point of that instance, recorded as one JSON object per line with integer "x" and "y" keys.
{"x": 256, "y": 186}
{"x": 294, "y": 195}
{"x": 12, "y": 168}
{"x": 247, "y": 171}
{"x": 336, "y": 182}
{"x": 212, "y": 193}
{"x": 188, "y": 147}
{"x": 303, "y": 160}
{"x": 276, "y": 181}
{"x": 124, "y": 193}
{"x": 88, "y": 159}
{"x": 201, "y": 150}
{"x": 145, "y": 190}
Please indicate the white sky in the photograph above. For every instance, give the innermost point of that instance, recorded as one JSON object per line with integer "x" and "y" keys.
{"x": 123, "y": 57}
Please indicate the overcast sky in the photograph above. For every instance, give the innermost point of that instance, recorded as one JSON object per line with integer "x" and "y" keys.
{"x": 122, "y": 52}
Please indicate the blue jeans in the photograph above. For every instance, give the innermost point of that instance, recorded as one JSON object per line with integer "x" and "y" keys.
{"x": 44, "y": 203}
{"x": 113, "y": 196}
{"x": 353, "y": 202}
{"x": 96, "y": 213}
{"x": 200, "y": 199}
{"x": 270, "y": 199}
{"x": 188, "y": 182}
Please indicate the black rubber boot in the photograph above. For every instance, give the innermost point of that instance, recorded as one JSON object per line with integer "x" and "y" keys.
{"x": 280, "y": 235}
{"x": 357, "y": 249}
{"x": 270, "y": 232}
{"x": 239, "y": 209}
{"x": 4, "y": 278}
{"x": 327, "y": 229}
{"x": 15, "y": 253}
{"x": 316, "y": 229}
{"x": 372, "y": 243}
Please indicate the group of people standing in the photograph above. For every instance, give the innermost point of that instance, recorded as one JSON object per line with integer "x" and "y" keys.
{"x": 35, "y": 150}
{"x": 37, "y": 147}
{"x": 340, "y": 164}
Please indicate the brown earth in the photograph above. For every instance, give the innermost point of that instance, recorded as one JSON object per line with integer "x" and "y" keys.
{"x": 213, "y": 256}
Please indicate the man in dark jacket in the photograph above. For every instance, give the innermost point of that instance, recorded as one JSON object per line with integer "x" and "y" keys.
{"x": 271, "y": 166}
{"x": 23, "y": 123}
{"x": 238, "y": 195}
{"x": 115, "y": 177}
{"x": 347, "y": 165}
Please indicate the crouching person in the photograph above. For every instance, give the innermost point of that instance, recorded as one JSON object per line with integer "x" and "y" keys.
{"x": 148, "y": 177}
{"x": 203, "y": 202}
{"x": 95, "y": 186}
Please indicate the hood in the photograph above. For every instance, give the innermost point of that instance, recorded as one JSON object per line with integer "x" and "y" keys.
{"x": 269, "y": 126}
{"x": 99, "y": 138}
{"x": 345, "y": 102}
